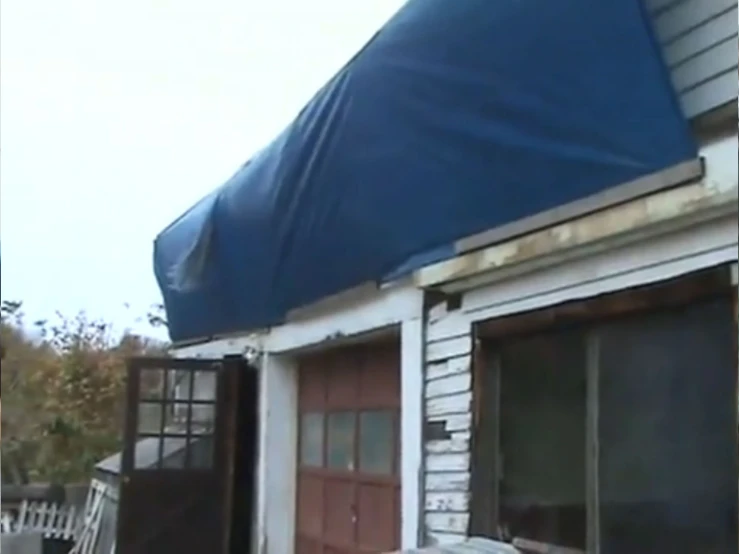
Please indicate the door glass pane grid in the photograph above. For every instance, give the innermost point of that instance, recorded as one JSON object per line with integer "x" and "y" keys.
{"x": 173, "y": 451}
{"x": 202, "y": 418}
{"x": 149, "y": 418}
{"x": 176, "y": 419}
{"x": 153, "y": 384}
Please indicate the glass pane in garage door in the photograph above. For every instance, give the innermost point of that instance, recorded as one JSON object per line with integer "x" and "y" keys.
{"x": 376, "y": 442}
{"x": 311, "y": 439}
{"x": 341, "y": 441}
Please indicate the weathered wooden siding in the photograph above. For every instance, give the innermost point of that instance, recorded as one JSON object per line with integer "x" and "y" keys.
{"x": 699, "y": 42}
{"x": 448, "y": 403}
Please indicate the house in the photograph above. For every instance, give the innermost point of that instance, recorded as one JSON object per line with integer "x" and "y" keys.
{"x": 566, "y": 372}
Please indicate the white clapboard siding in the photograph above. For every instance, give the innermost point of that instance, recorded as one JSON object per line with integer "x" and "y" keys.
{"x": 459, "y": 461}
{"x": 447, "y": 522}
{"x": 452, "y": 384}
{"x": 451, "y": 404}
{"x": 442, "y": 539}
{"x": 448, "y": 367}
{"x": 444, "y": 349}
{"x": 447, "y": 501}
{"x": 699, "y": 44}
{"x": 448, "y": 406}
{"x": 449, "y": 446}
{"x": 457, "y": 425}
{"x": 461, "y": 423}
{"x": 450, "y": 481}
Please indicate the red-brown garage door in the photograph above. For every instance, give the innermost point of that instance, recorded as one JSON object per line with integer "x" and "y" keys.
{"x": 348, "y": 457}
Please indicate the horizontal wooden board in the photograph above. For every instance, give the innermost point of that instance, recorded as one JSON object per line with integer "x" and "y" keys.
{"x": 688, "y": 15}
{"x": 712, "y": 32}
{"x": 448, "y": 348}
{"x": 448, "y": 462}
{"x": 706, "y": 65}
{"x": 447, "y": 501}
{"x": 711, "y": 95}
{"x": 449, "y": 405}
{"x": 449, "y": 481}
{"x": 451, "y": 366}
{"x": 435, "y": 538}
{"x": 452, "y": 384}
{"x": 456, "y": 422}
{"x": 448, "y": 446}
{"x": 449, "y": 324}
{"x": 448, "y": 522}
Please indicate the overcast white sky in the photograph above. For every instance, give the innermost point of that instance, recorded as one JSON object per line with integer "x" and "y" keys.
{"x": 115, "y": 117}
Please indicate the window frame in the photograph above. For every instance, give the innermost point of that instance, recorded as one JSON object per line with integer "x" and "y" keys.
{"x": 591, "y": 314}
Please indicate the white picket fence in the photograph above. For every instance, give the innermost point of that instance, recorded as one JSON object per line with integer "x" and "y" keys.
{"x": 6, "y": 523}
{"x": 55, "y": 521}
{"x": 51, "y": 520}
{"x": 86, "y": 540}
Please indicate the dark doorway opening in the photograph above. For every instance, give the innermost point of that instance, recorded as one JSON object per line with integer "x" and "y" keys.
{"x": 609, "y": 424}
{"x": 246, "y": 430}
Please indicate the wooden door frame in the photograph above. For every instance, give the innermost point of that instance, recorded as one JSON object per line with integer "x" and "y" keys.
{"x": 719, "y": 281}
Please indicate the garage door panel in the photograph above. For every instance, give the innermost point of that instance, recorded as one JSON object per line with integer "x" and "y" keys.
{"x": 380, "y": 377}
{"x": 312, "y": 387}
{"x": 343, "y": 382}
{"x": 310, "y": 506}
{"x": 376, "y": 516}
{"x": 305, "y": 545}
{"x": 337, "y": 550}
{"x": 338, "y": 511}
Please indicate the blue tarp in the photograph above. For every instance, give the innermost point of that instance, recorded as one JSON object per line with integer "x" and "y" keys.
{"x": 457, "y": 117}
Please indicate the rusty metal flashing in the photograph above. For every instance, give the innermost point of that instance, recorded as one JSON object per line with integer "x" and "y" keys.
{"x": 685, "y": 172}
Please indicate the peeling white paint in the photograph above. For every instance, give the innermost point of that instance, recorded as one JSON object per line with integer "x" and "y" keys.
{"x": 656, "y": 213}
{"x": 447, "y": 501}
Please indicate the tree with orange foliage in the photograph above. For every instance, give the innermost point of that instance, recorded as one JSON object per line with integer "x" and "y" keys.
{"x": 64, "y": 398}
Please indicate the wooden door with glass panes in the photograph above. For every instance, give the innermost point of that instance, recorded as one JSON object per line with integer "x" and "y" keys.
{"x": 349, "y": 453}
{"x": 174, "y": 466}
